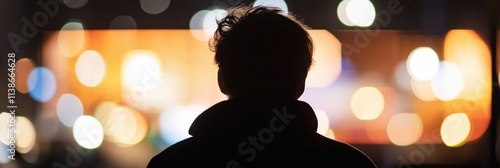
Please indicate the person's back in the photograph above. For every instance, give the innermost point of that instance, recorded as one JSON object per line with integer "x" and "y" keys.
{"x": 263, "y": 58}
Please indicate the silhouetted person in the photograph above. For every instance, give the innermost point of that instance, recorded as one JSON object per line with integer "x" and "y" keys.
{"x": 263, "y": 58}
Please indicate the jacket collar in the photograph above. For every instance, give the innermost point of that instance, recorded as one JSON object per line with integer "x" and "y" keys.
{"x": 246, "y": 116}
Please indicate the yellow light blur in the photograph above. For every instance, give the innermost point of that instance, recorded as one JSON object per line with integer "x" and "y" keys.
{"x": 448, "y": 82}
{"x": 71, "y": 39}
{"x": 367, "y": 103}
{"x": 423, "y": 90}
{"x": 471, "y": 54}
{"x": 88, "y": 132}
{"x": 405, "y": 129}
{"x": 90, "y": 68}
{"x": 323, "y": 122}
{"x": 23, "y": 69}
{"x": 455, "y": 129}
{"x": 361, "y": 12}
{"x": 330, "y": 134}
{"x": 327, "y": 56}
{"x": 4, "y": 132}
{"x": 26, "y": 135}
{"x": 423, "y": 63}
{"x": 122, "y": 125}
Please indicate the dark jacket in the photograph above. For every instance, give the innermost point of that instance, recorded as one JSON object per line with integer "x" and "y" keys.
{"x": 246, "y": 133}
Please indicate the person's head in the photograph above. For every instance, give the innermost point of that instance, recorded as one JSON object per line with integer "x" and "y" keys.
{"x": 261, "y": 53}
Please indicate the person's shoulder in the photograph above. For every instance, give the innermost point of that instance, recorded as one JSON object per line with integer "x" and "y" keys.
{"x": 173, "y": 155}
{"x": 343, "y": 152}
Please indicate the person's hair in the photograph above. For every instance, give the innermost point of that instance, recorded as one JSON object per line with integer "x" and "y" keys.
{"x": 260, "y": 52}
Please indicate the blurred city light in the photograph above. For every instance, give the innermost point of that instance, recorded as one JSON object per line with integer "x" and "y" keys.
{"x": 423, "y": 63}
{"x": 72, "y": 38}
{"x": 367, "y": 103}
{"x": 154, "y": 7}
{"x": 88, "y": 132}
{"x": 69, "y": 108}
{"x": 4, "y": 125}
{"x": 356, "y": 13}
{"x": 174, "y": 123}
{"x": 327, "y": 56}
{"x": 90, "y": 68}
{"x": 405, "y": 128}
{"x": 323, "y": 122}
{"x": 42, "y": 84}
{"x": 124, "y": 126}
{"x": 342, "y": 13}
{"x": 281, "y": 4}
{"x": 23, "y": 67}
{"x": 26, "y": 135}
{"x": 423, "y": 89}
{"x": 455, "y": 129}
{"x": 448, "y": 82}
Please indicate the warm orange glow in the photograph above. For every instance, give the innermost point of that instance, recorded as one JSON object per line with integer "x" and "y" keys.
{"x": 405, "y": 128}
{"x": 327, "y": 59}
{"x": 455, "y": 129}
{"x": 23, "y": 69}
{"x": 422, "y": 89}
{"x": 367, "y": 103}
{"x": 472, "y": 56}
{"x": 122, "y": 125}
{"x": 26, "y": 135}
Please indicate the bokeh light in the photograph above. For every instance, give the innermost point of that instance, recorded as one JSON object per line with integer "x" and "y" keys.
{"x": 330, "y": 134}
{"x": 26, "y": 135}
{"x": 154, "y": 7}
{"x": 448, "y": 82}
{"x": 455, "y": 129}
{"x": 323, "y": 122}
{"x": 281, "y": 4}
{"x": 367, "y": 103}
{"x": 402, "y": 77}
{"x": 210, "y": 21}
{"x": 90, "y": 68}
{"x": 122, "y": 125}
{"x": 204, "y": 23}
{"x": 4, "y": 132}
{"x": 42, "y": 84}
{"x": 88, "y": 132}
{"x": 342, "y": 13}
{"x": 4, "y": 154}
{"x": 23, "y": 68}
{"x": 71, "y": 38}
{"x": 423, "y": 63}
{"x": 327, "y": 57}
{"x": 75, "y": 3}
{"x": 405, "y": 128}
{"x": 123, "y": 22}
{"x": 360, "y": 12}
{"x": 174, "y": 123}
{"x": 69, "y": 108}
{"x": 138, "y": 64}
{"x": 423, "y": 89}
{"x": 196, "y": 25}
